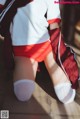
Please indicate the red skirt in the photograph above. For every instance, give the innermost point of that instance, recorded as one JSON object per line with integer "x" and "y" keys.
{"x": 36, "y": 51}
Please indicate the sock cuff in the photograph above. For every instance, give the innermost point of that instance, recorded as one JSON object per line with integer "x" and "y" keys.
{"x": 24, "y": 81}
{"x": 62, "y": 84}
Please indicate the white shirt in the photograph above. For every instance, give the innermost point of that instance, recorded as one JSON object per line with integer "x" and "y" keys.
{"x": 30, "y": 25}
{"x": 2, "y": 2}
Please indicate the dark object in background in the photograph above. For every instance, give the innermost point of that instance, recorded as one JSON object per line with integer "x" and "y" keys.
{"x": 70, "y": 16}
{"x": 77, "y": 35}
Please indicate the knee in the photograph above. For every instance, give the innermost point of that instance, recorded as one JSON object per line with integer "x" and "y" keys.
{"x": 23, "y": 89}
{"x": 65, "y": 93}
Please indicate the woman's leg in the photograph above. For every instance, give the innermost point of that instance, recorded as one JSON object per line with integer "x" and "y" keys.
{"x": 62, "y": 85}
{"x": 24, "y": 77}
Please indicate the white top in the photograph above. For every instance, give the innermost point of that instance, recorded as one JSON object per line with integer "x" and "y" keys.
{"x": 30, "y": 25}
{"x": 2, "y": 2}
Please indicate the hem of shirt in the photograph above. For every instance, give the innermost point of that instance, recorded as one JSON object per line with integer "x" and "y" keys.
{"x": 58, "y": 20}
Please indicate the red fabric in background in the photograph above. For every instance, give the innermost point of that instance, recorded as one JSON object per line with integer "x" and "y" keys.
{"x": 67, "y": 57}
{"x": 1, "y": 6}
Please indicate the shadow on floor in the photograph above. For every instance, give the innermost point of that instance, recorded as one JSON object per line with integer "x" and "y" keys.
{"x": 44, "y": 81}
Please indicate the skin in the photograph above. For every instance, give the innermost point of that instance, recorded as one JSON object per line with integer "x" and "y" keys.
{"x": 26, "y": 68}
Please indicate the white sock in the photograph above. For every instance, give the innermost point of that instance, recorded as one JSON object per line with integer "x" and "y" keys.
{"x": 65, "y": 93}
{"x": 23, "y": 89}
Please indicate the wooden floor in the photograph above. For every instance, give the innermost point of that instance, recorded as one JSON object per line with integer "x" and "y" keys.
{"x": 42, "y": 105}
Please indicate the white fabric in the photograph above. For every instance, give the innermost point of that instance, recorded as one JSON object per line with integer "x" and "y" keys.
{"x": 65, "y": 93}
{"x": 79, "y": 78}
{"x": 30, "y": 24}
{"x": 23, "y": 89}
{"x": 2, "y": 2}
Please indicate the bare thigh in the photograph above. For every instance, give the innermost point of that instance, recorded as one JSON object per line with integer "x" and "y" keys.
{"x": 56, "y": 73}
{"x": 25, "y": 68}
